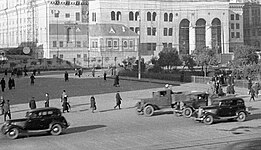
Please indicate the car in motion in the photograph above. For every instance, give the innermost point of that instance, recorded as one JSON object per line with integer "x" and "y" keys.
{"x": 226, "y": 108}
{"x": 47, "y": 119}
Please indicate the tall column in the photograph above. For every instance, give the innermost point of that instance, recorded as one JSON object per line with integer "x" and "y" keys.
{"x": 208, "y": 36}
{"x": 192, "y": 39}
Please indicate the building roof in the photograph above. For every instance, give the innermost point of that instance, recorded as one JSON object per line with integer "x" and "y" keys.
{"x": 110, "y": 30}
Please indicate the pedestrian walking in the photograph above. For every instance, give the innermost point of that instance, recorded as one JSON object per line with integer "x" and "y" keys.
{"x": 249, "y": 85}
{"x": 6, "y": 108}
{"x": 118, "y": 100}
{"x": 63, "y": 95}
{"x": 104, "y": 76}
{"x": 13, "y": 82}
{"x": 6, "y": 72}
{"x": 32, "y": 103}
{"x": 2, "y": 104}
{"x": 116, "y": 81}
{"x": 93, "y": 72}
{"x": 66, "y": 106}
{"x": 32, "y": 79}
{"x": 93, "y": 104}
{"x": 252, "y": 94}
{"x": 10, "y": 84}
{"x": 66, "y": 76}
{"x": 3, "y": 84}
{"x": 256, "y": 88}
{"x": 47, "y": 98}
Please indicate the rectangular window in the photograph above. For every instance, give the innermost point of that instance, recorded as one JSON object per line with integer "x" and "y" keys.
{"x": 164, "y": 45}
{"x": 154, "y": 31}
{"x": 149, "y": 31}
{"x": 77, "y": 16}
{"x": 115, "y": 44}
{"x": 165, "y": 32}
{"x": 61, "y": 56}
{"x": 78, "y": 55}
{"x": 232, "y": 26}
{"x": 54, "y": 56}
{"x": 254, "y": 32}
{"x": 149, "y": 46}
{"x": 237, "y": 16}
{"x": 67, "y": 2}
{"x": 109, "y": 44}
{"x": 170, "y": 31}
{"x": 232, "y": 17}
{"x": 125, "y": 44}
{"x": 131, "y": 44}
{"x": 238, "y": 35}
{"x": 67, "y": 15}
{"x": 237, "y": 26}
{"x": 154, "y": 45}
{"x": 232, "y": 34}
{"x": 132, "y": 28}
{"x": 259, "y": 32}
{"x": 170, "y": 45}
{"x": 61, "y": 43}
{"x": 56, "y": 15}
{"x": 94, "y": 17}
{"x": 85, "y": 58}
{"x": 54, "y": 44}
{"x": 78, "y": 44}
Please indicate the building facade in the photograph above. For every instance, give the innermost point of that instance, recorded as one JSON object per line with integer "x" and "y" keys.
{"x": 88, "y": 32}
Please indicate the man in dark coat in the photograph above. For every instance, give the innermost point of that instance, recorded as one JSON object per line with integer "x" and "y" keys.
{"x": 66, "y": 76}
{"x": 104, "y": 75}
{"x": 116, "y": 81}
{"x": 66, "y": 104}
{"x": 46, "y": 102}
{"x": 118, "y": 100}
{"x": 93, "y": 104}
{"x": 32, "y": 79}
{"x": 13, "y": 83}
{"x": 32, "y": 103}
{"x": 3, "y": 84}
{"x": 6, "y": 108}
{"x": 10, "y": 84}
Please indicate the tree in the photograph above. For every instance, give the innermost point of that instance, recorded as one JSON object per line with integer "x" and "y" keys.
{"x": 205, "y": 57}
{"x": 169, "y": 57}
{"x": 245, "y": 55}
{"x": 188, "y": 61}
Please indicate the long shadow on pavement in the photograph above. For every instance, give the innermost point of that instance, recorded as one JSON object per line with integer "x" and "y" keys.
{"x": 116, "y": 109}
{"x": 83, "y": 128}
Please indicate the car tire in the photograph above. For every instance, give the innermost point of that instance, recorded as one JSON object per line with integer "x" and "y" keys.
{"x": 241, "y": 116}
{"x": 148, "y": 110}
{"x": 56, "y": 129}
{"x": 187, "y": 112}
{"x": 208, "y": 120}
{"x": 12, "y": 133}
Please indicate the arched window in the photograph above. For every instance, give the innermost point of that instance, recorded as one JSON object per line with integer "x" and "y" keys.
{"x": 118, "y": 16}
{"x": 131, "y": 16}
{"x": 216, "y": 35}
{"x": 136, "y": 15}
{"x": 154, "y": 16}
{"x": 112, "y": 15}
{"x": 200, "y": 31}
{"x": 68, "y": 34}
{"x": 148, "y": 16}
{"x": 165, "y": 17}
{"x": 170, "y": 17}
{"x": 137, "y": 30}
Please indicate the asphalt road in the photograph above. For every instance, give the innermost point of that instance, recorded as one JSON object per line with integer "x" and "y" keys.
{"x": 113, "y": 129}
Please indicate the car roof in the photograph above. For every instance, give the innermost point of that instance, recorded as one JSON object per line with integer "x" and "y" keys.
{"x": 43, "y": 109}
{"x": 227, "y": 98}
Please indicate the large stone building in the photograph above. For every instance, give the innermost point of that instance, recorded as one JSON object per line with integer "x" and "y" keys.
{"x": 114, "y": 28}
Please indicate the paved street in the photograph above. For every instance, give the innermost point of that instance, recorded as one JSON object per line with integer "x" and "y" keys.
{"x": 109, "y": 129}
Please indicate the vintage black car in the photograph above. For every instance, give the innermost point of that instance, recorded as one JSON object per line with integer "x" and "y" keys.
{"x": 226, "y": 108}
{"x": 47, "y": 119}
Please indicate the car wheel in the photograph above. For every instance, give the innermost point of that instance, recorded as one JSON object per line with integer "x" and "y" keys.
{"x": 208, "y": 119}
{"x": 12, "y": 133}
{"x": 148, "y": 110}
{"x": 241, "y": 116}
{"x": 187, "y": 112}
{"x": 56, "y": 129}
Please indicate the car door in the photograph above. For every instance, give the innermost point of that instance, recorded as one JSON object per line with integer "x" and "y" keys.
{"x": 233, "y": 107}
{"x": 224, "y": 109}
{"x": 46, "y": 119}
{"x": 33, "y": 122}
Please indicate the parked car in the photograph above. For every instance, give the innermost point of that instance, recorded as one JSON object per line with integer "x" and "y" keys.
{"x": 47, "y": 119}
{"x": 169, "y": 99}
{"x": 226, "y": 108}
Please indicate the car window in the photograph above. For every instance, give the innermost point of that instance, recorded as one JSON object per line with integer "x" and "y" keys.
{"x": 240, "y": 102}
{"x": 163, "y": 93}
{"x": 225, "y": 103}
{"x": 233, "y": 103}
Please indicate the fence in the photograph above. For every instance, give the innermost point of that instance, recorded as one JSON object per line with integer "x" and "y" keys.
{"x": 238, "y": 83}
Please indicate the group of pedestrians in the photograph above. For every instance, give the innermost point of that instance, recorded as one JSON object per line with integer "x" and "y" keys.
{"x": 253, "y": 89}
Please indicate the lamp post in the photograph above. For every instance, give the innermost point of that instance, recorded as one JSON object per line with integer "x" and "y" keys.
{"x": 139, "y": 57}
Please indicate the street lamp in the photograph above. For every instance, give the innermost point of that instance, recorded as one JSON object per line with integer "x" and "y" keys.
{"x": 139, "y": 57}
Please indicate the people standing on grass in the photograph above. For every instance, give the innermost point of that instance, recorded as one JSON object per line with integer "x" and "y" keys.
{"x": 6, "y": 109}
{"x": 47, "y": 98}
{"x": 3, "y": 84}
{"x": 252, "y": 94}
{"x": 66, "y": 76}
{"x": 118, "y": 100}
{"x": 116, "y": 81}
{"x": 32, "y": 79}
{"x": 32, "y": 104}
{"x": 104, "y": 76}
{"x": 93, "y": 104}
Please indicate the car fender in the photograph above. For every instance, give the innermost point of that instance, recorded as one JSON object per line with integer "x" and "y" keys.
{"x": 11, "y": 127}
{"x": 205, "y": 114}
{"x": 242, "y": 111}
{"x": 55, "y": 122}
{"x": 154, "y": 106}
